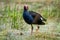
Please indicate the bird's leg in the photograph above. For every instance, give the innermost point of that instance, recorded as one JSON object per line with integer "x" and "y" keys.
{"x": 37, "y": 29}
{"x": 31, "y": 29}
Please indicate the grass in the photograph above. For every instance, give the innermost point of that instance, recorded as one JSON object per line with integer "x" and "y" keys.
{"x": 12, "y": 19}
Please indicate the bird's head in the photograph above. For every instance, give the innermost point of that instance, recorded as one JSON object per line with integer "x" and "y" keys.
{"x": 25, "y": 7}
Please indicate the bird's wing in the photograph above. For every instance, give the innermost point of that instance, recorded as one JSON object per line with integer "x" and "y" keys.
{"x": 36, "y": 16}
{"x": 33, "y": 14}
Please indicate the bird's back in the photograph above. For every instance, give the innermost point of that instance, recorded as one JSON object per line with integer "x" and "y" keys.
{"x": 37, "y": 17}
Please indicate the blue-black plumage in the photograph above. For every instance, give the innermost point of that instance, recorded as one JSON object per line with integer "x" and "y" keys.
{"x": 27, "y": 17}
{"x": 32, "y": 17}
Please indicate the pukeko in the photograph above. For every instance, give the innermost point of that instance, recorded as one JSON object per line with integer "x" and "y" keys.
{"x": 32, "y": 17}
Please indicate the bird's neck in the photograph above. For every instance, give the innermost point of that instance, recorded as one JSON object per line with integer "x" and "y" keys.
{"x": 25, "y": 10}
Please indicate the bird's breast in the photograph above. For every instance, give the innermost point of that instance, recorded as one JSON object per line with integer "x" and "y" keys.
{"x": 28, "y": 18}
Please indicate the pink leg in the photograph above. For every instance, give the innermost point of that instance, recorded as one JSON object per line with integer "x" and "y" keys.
{"x": 37, "y": 29}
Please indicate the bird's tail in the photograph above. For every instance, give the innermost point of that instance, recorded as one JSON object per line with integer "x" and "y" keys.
{"x": 44, "y": 19}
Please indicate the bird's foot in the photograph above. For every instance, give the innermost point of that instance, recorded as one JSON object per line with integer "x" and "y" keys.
{"x": 31, "y": 32}
{"x": 37, "y": 30}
